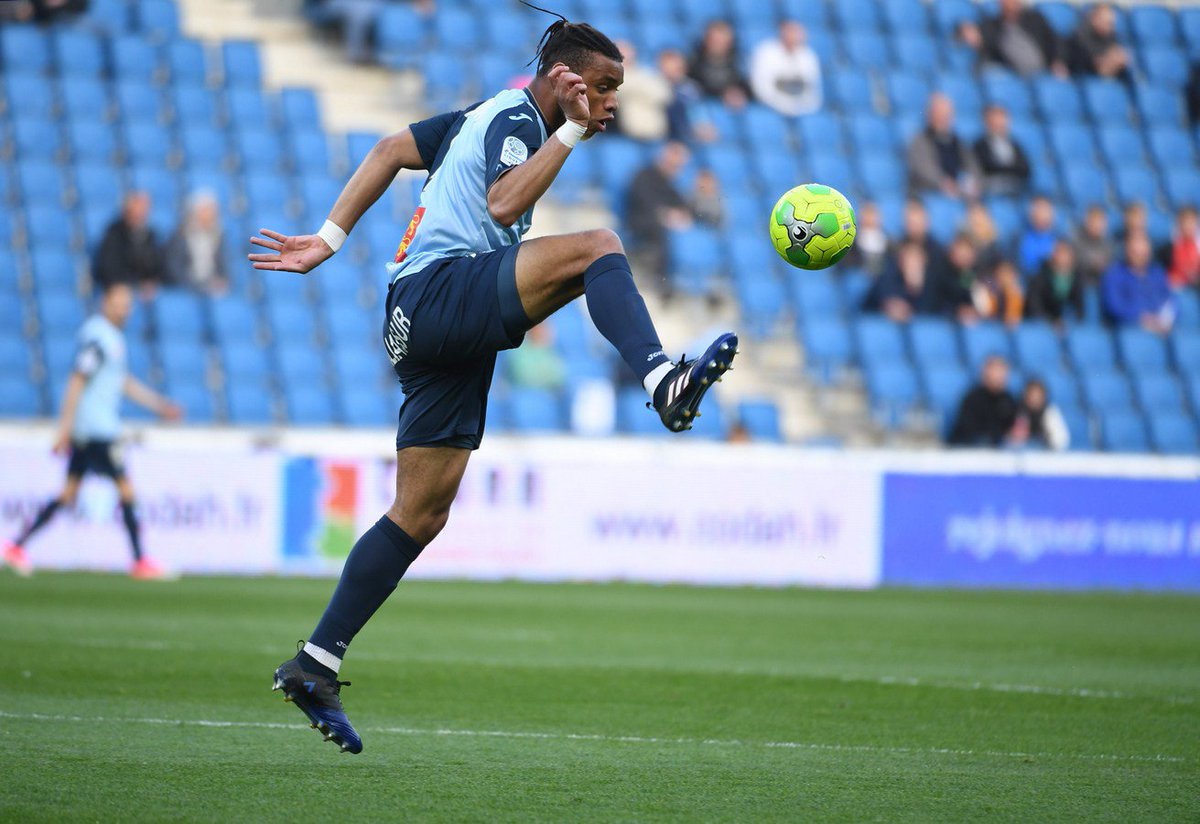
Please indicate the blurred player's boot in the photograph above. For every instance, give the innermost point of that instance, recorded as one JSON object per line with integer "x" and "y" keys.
{"x": 145, "y": 569}
{"x": 677, "y": 398}
{"x": 16, "y": 559}
{"x": 318, "y": 698}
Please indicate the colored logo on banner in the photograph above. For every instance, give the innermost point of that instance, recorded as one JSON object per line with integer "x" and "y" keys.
{"x": 321, "y": 505}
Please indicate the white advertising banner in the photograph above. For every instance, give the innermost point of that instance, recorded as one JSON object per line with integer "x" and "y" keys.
{"x": 200, "y": 510}
{"x": 575, "y": 510}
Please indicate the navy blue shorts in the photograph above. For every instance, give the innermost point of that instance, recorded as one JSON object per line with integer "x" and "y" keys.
{"x": 443, "y": 328}
{"x": 100, "y": 457}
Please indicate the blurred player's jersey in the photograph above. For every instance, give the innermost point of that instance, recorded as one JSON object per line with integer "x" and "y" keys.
{"x": 101, "y": 360}
{"x": 466, "y": 152}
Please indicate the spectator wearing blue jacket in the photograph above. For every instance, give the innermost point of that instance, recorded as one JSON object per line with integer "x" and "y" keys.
{"x": 1038, "y": 238}
{"x": 1134, "y": 292}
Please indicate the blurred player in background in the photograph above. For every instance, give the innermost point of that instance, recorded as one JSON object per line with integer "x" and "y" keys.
{"x": 463, "y": 287}
{"x": 89, "y": 426}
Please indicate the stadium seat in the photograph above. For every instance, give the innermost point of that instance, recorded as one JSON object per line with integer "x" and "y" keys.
{"x": 762, "y": 299}
{"x": 1170, "y": 146}
{"x": 866, "y": 49}
{"x": 827, "y": 348}
{"x": 28, "y": 95}
{"x": 400, "y": 33}
{"x": 37, "y": 139}
{"x": 1181, "y": 185}
{"x": 1085, "y": 184}
{"x": 137, "y": 100}
{"x": 1107, "y": 100}
{"x": 633, "y": 418}
{"x": 250, "y": 403}
{"x": 695, "y": 258}
{"x": 1090, "y": 347}
{"x": 1153, "y": 25}
{"x": 135, "y": 58}
{"x": 26, "y": 49}
{"x": 1185, "y": 350}
{"x": 1106, "y": 390}
{"x": 1189, "y": 24}
{"x": 79, "y": 53}
{"x": 1123, "y": 431}
{"x": 948, "y": 14}
{"x": 944, "y": 385}
{"x": 1166, "y": 67}
{"x": 19, "y": 397}
{"x": 41, "y": 182}
{"x": 184, "y": 361}
{"x": 244, "y": 362}
{"x": 309, "y": 405}
{"x": 850, "y": 90}
{"x": 1187, "y": 306}
{"x": 1135, "y": 183}
{"x": 54, "y": 271}
{"x": 1037, "y": 347}
{"x": 1058, "y": 100}
{"x": 856, "y": 15}
{"x": 367, "y": 406}
{"x": 1009, "y": 90}
{"x": 1121, "y": 145}
{"x": 187, "y": 61}
{"x": 933, "y": 342}
{"x": 1173, "y": 433}
{"x": 240, "y": 63}
{"x": 148, "y": 144}
{"x": 1158, "y": 392}
{"x": 204, "y": 146}
{"x": 916, "y": 51}
{"x": 983, "y": 340}
{"x": 878, "y": 341}
{"x": 158, "y": 19}
{"x": 1141, "y": 351}
{"x": 893, "y": 392}
{"x": 761, "y": 419}
{"x": 536, "y": 410}
{"x": 1158, "y": 104}
{"x": 85, "y": 99}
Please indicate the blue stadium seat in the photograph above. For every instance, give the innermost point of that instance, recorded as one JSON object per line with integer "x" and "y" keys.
{"x": 1085, "y": 184}
{"x": 851, "y": 90}
{"x": 1036, "y": 346}
{"x": 194, "y": 106}
{"x": 61, "y": 314}
{"x": 250, "y": 403}
{"x": 184, "y": 362}
{"x": 878, "y": 341}
{"x": 187, "y": 61}
{"x": 1123, "y": 430}
{"x": 135, "y": 58}
{"x": 983, "y": 340}
{"x": 240, "y": 63}
{"x": 1141, "y": 351}
{"x": 906, "y": 16}
{"x": 358, "y": 145}
{"x": 299, "y": 108}
{"x": 814, "y": 293}
{"x": 1185, "y": 350}
{"x": 510, "y": 31}
{"x": 1061, "y": 386}
{"x": 1158, "y": 392}
{"x": 944, "y": 385}
{"x": 1181, "y": 185}
{"x": 162, "y": 185}
{"x": 1189, "y": 24}
{"x": 907, "y": 91}
{"x": 1009, "y": 90}
{"x": 37, "y": 139}
{"x": 1121, "y": 145}
{"x": 26, "y": 49}
{"x": 79, "y": 53}
{"x": 19, "y": 397}
{"x": 249, "y": 107}
{"x": 234, "y": 319}
{"x": 1158, "y": 104}
{"x": 85, "y": 99}
{"x": 916, "y": 52}
{"x": 827, "y": 348}
{"x": 1072, "y": 142}
{"x": 633, "y": 418}
{"x": 310, "y": 152}
{"x": 946, "y": 214}
{"x": 159, "y": 19}
{"x": 1187, "y": 314}
{"x": 367, "y": 406}
{"x": 54, "y": 271}
{"x": 41, "y": 182}
{"x": 762, "y": 300}
{"x": 881, "y": 174}
{"x": 831, "y": 166}
{"x": 15, "y": 356}
{"x": 1170, "y": 147}
{"x": 91, "y": 141}
{"x": 658, "y": 35}
{"x": 1173, "y": 433}
{"x": 1135, "y": 183}
{"x": 1153, "y": 25}
{"x": 258, "y": 149}
{"x": 49, "y": 225}
{"x": 933, "y": 342}
{"x": 309, "y": 405}
{"x": 761, "y": 419}
{"x": 1166, "y": 67}
{"x": 893, "y": 392}
{"x": 28, "y": 95}
{"x": 729, "y": 164}
{"x": 292, "y": 324}
{"x": 183, "y": 313}
{"x": 855, "y": 15}
{"x": 1107, "y": 100}
{"x": 245, "y": 363}
{"x": 147, "y": 143}
{"x": 948, "y": 14}
{"x": 1058, "y": 100}
{"x": 536, "y": 410}
{"x": 766, "y": 129}
{"x": 1090, "y": 347}
{"x": 204, "y": 146}
{"x": 1106, "y": 389}
{"x": 400, "y": 34}
{"x": 866, "y": 49}
{"x": 696, "y": 259}
{"x": 871, "y": 134}
{"x": 137, "y": 100}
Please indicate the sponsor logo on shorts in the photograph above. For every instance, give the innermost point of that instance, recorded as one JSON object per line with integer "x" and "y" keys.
{"x": 396, "y": 339}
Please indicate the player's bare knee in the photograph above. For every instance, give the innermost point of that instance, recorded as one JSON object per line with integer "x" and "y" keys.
{"x": 603, "y": 242}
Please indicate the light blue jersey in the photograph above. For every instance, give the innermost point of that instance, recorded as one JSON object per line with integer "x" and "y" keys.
{"x": 466, "y": 152}
{"x": 101, "y": 360}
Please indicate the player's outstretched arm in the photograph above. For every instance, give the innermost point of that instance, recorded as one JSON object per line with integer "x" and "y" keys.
{"x": 143, "y": 395}
{"x": 517, "y": 190}
{"x": 66, "y": 416}
{"x": 303, "y": 253}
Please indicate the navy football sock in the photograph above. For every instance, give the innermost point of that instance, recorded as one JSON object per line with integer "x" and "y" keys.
{"x": 619, "y": 312}
{"x": 375, "y": 566}
{"x": 132, "y": 527}
{"x": 43, "y": 517}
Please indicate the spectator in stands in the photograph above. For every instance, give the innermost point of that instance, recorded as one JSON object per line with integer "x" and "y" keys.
{"x": 962, "y": 280}
{"x": 645, "y": 96}
{"x": 785, "y": 73}
{"x": 1038, "y": 239}
{"x": 195, "y": 253}
{"x": 536, "y": 364}
{"x": 356, "y": 18}
{"x": 1039, "y": 423}
{"x": 41, "y": 11}
{"x": 1002, "y": 162}
{"x": 1018, "y": 38}
{"x": 1056, "y": 292}
{"x": 1093, "y": 246}
{"x": 716, "y": 66}
{"x": 682, "y": 125}
{"x": 1192, "y": 92}
{"x": 907, "y": 287}
{"x": 999, "y": 295}
{"x": 655, "y": 205}
{"x": 1135, "y": 220}
{"x": 129, "y": 252}
{"x": 981, "y": 229}
{"x": 938, "y": 159}
{"x": 1182, "y": 254}
{"x": 988, "y": 411}
{"x": 705, "y": 200}
{"x": 1093, "y": 48}
{"x": 1134, "y": 292}
{"x": 916, "y": 230}
{"x": 870, "y": 249}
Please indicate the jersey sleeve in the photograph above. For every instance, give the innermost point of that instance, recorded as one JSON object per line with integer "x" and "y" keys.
{"x": 89, "y": 358}
{"x": 511, "y": 138}
{"x": 430, "y": 134}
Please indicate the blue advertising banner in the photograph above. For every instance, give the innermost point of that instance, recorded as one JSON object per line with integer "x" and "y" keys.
{"x": 1041, "y": 532}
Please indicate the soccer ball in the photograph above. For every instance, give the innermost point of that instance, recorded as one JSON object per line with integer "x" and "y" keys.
{"x": 813, "y": 226}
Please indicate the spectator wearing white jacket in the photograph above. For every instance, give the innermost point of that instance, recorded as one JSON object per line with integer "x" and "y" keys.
{"x": 785, "y": 73}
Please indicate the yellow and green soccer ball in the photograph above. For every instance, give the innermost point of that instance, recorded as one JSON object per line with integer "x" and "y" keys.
{"x": 813, "y": 226}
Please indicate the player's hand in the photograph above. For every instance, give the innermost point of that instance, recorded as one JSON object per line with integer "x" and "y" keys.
{"x": 62, "y": 444}
{"x": 170, "y": 411}
{"x": 571, "y": 93}
{"x": 301, "y": 253}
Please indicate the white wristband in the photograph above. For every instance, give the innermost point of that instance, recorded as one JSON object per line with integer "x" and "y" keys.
{"x": 332, "y": 234}
{"x": 570, "y": 133}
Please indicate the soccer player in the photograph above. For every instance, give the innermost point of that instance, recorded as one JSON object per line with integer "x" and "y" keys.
{"x": 464, "y": 286}
{"x": 89, "y": 426}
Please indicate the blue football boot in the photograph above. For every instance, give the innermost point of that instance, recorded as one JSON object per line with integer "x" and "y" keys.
{"x": 318, "y": 698}
{"x": 684, "y": 386}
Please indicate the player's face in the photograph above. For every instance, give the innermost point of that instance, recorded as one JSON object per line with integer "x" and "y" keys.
{"x": 118, "y": 303}
{"x": 603, "y": 77}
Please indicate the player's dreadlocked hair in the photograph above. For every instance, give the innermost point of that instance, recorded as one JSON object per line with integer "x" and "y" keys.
{"x": 570, "y": 43}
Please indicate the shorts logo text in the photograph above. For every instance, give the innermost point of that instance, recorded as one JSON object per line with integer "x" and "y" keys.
{"x": 396, "y": 339}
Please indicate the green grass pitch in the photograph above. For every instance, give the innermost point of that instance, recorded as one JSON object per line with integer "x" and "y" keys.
{"x": 515, "y": 702}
